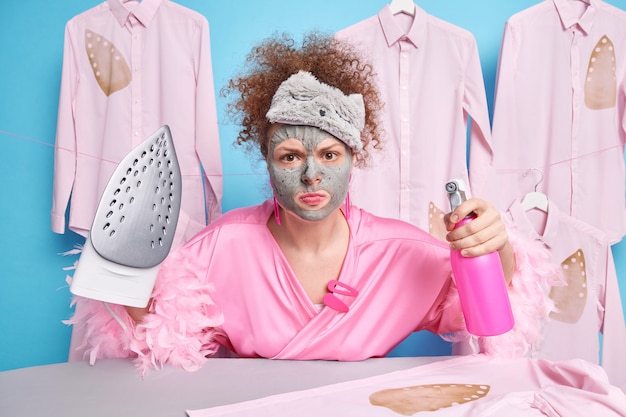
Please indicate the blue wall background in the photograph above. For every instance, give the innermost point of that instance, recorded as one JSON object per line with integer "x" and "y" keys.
{"x": 34, "y": 297}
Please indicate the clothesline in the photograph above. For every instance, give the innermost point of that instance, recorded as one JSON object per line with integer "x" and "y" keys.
{"x": 50, "y": 145}
{"x": 513, "y": 170}
{"x": 507, "y": 170}
{"x": 24, "y": 138}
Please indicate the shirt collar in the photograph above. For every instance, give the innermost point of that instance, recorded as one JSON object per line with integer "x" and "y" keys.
{"x": 570, "y": 18}
{"x": 521, "y": 220}
{"x": 392, "y": 31}
{"x": 144, "y": 11}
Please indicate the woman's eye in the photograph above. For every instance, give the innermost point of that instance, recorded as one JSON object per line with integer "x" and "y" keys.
{"x": 330, "y": 156}
{"x": 288, "y": 158}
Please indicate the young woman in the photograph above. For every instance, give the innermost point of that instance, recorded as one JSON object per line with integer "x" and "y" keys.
{"x": 303, "y": 275}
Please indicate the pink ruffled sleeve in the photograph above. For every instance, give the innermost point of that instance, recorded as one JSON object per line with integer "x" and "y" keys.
{"x": 180, "y": 329}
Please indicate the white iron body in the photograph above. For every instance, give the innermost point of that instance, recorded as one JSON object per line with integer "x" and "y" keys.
{"x": 100, "y": 279}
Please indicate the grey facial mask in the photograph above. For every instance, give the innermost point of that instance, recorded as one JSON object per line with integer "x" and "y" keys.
{"x": 288, "y": 182}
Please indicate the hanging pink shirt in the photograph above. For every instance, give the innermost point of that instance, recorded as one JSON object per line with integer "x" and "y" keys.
{"x": 590, "y": 301}
{"x": 129, "y": 68}
{"x": 431, "y": 82}
{"x": 560, "y": 107}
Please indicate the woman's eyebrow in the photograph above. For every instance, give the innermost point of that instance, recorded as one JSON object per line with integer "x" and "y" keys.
{"x": 289, "y": 148}
{"x": 330, "y": 147}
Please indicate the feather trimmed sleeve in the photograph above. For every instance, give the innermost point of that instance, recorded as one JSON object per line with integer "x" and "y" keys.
{"x": 179, "y": 330}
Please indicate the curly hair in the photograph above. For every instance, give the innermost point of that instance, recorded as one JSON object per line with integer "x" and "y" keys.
{"x": 331, "y": 61}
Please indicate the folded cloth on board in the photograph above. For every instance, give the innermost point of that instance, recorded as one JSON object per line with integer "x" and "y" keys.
{"x": 475, "y": 385}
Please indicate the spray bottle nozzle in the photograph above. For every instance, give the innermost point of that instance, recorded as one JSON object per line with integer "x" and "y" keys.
{"x": 456, "y": 193}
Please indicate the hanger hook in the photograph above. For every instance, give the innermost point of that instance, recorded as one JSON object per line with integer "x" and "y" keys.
{"x": 540, "y": 178}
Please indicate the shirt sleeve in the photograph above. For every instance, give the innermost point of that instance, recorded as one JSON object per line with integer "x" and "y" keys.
{"x": 504, "y": 126}
{"x": 613, "y": 328}
{"x": 65, "y": 146}
{"x": 207, "y": 132}
{"x": 475, "y": 105}
{"x": 624, "y": 108}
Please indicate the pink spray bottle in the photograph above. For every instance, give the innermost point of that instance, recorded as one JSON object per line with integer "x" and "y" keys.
{"x": 480, "y": 281}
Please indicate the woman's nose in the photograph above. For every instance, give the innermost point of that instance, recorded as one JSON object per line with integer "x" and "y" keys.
{"x": 312, "y": 173}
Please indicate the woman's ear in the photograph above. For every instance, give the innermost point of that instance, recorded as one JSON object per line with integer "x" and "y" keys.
{"x": 353, "y": 159}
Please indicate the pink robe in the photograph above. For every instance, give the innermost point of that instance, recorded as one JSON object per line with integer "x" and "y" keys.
{"x": 231, "y": 286}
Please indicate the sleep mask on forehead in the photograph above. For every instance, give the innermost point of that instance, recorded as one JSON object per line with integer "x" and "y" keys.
{"x": 303, "y": 100}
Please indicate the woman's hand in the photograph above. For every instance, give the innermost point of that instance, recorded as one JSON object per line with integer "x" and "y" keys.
{"x": 485, "y": 234}
{"x": 137, "y": 313}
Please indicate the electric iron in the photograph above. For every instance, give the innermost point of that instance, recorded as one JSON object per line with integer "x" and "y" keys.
{"x": 134, "y": 225}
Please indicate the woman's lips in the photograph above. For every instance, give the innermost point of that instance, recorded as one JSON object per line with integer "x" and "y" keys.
{"x": 312, "y": 199}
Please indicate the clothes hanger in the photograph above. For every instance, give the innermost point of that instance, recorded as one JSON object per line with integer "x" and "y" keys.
{"x": 535, "y": 199}
{"x": 402, "y": 6}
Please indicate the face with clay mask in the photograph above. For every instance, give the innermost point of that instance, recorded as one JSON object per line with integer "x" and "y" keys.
{"x": 309, "y": 169}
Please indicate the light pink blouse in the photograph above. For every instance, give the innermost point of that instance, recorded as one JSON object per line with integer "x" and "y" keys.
{"x": 560, "y": 110}
{"x": 128, "y": 69}
{"x": 431, "y": 82}
{"x": 588, "y": 300}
